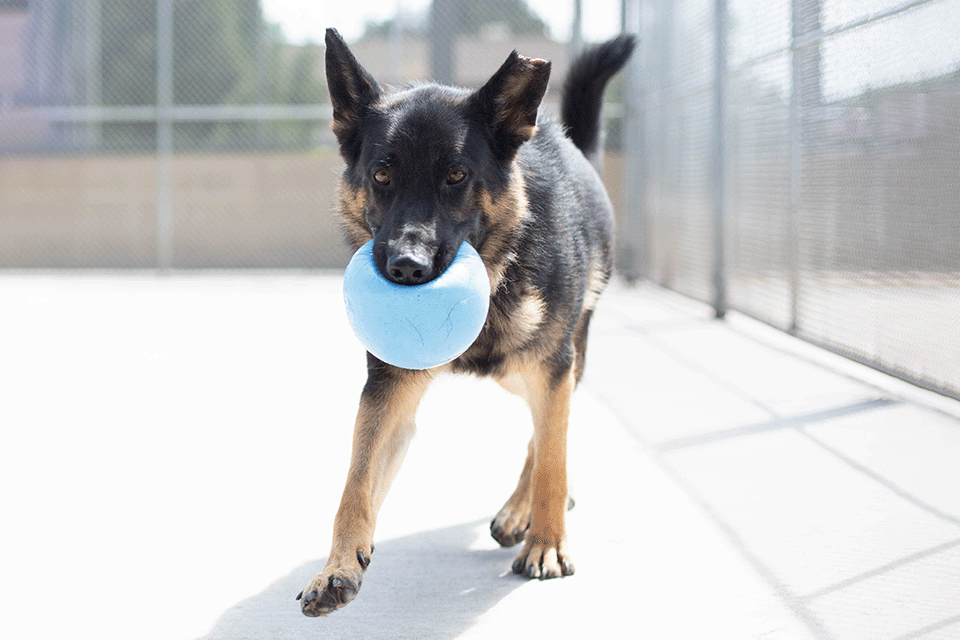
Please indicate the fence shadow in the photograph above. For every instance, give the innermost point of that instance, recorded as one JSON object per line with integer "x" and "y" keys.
{"x": 428, "y": 585}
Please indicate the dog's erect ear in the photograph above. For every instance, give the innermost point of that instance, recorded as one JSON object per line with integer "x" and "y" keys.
{"x": 351, "y": 87}
{"x": 510, "y": 99}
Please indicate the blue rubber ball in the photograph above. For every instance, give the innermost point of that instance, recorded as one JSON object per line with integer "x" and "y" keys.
{"x": 421, "y": 326}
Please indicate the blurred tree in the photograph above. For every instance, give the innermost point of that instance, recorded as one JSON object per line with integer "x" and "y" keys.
{"x": 224, "y": 53}
{"x": 304, "y": 87}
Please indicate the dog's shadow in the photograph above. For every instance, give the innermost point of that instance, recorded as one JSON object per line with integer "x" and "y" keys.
{"x": 426, "y": 585}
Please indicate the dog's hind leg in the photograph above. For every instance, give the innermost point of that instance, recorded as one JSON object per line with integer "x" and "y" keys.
{"x": 580, "y": 343}
{"x": 511, "y": 523}
{"x": 384, "y": 427}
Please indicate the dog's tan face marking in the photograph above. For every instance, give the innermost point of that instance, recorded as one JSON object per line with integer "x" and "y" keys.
{"x": 353, "y": 206}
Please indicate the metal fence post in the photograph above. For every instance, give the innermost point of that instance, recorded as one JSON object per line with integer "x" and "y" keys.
{"x": 631, "y": 254}
{"x": 164, "y": 134}
{"x": 796, "y": 78}
{"x": 92, "y": 25}
{"x": 805, "y": 72}
{"x": 576, "y": 30}
{"x": 719, "y": 173}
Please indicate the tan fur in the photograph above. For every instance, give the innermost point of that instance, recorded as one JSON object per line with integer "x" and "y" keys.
{"x": 541, "y": 494}
{"x": 506, "y": 214}
{"x": 514, "y": 517}
{"x": 515, "y": 89}
{"x": 382, "y": 432}
{"x": 519, "y": 325}
{"x": 353, "y": 206}
{"x": 596, "y": 283}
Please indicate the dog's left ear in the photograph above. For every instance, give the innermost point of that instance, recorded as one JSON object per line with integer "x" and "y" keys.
{"x": 509, "y": 102}
{"x": 352, "y": 90}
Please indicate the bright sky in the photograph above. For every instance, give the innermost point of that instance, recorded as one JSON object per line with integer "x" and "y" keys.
{"x": 303, "y": 21}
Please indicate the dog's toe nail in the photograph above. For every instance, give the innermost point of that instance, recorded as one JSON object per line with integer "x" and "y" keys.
{"x": 518, "y": 566}
{"x": 299, "y": 595}
{"x": 336, "y": 582}
{"x": 361, "y": 559}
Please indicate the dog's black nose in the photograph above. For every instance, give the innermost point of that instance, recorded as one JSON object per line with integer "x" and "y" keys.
{"x": 408, "y": 270}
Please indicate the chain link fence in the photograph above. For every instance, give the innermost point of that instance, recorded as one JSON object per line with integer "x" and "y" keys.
{"x": 190, "y": 133}
{"x": 800, "y": 162}
{"x": 796, "y": 160}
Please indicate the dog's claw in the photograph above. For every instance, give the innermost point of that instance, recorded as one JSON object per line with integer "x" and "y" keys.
{"x": 299, "y": 595}
{"x": 364, "y": 562}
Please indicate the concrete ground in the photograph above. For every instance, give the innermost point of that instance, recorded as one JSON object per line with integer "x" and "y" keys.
{"x": 174, "y": 447}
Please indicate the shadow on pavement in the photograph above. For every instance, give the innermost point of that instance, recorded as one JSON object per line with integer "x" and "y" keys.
{"x": 426, "y": 585}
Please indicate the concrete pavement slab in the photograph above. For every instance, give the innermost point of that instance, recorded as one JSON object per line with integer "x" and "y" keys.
{"x": 887, "y": 444}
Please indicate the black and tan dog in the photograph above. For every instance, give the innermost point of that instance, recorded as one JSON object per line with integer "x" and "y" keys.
{"x": 427, "y": 168}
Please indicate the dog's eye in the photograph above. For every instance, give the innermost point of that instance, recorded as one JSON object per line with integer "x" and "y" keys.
{"x": 382, "y": 176}
{"x": 455, "y": 176}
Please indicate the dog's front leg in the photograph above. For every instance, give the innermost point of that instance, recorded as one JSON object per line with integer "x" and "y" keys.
{"x": 384, "y": 426}
{"x": 545, "y": 553}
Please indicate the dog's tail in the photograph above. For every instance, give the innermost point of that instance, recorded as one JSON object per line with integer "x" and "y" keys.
{"x": 583, "y": 91}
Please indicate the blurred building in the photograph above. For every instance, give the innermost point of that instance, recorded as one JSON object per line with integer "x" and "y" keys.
{"x": 476, "y": 57}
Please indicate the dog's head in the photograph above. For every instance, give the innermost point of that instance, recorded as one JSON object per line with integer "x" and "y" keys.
{"x": 425, "y": 163}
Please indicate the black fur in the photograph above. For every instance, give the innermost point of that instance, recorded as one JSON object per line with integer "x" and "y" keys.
{"x": 583, "y": 90}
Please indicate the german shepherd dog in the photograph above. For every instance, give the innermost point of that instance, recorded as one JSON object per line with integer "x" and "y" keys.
{"x": 427, "y": 168}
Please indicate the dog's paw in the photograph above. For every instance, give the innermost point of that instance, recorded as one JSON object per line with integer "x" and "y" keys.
{"x": 510, "y": 525}
{"x": 334, "y": 588}
{"x": 544, "y": 556}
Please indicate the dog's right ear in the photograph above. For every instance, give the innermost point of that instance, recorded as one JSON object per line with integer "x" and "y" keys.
{"x": 352, "y": 90}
